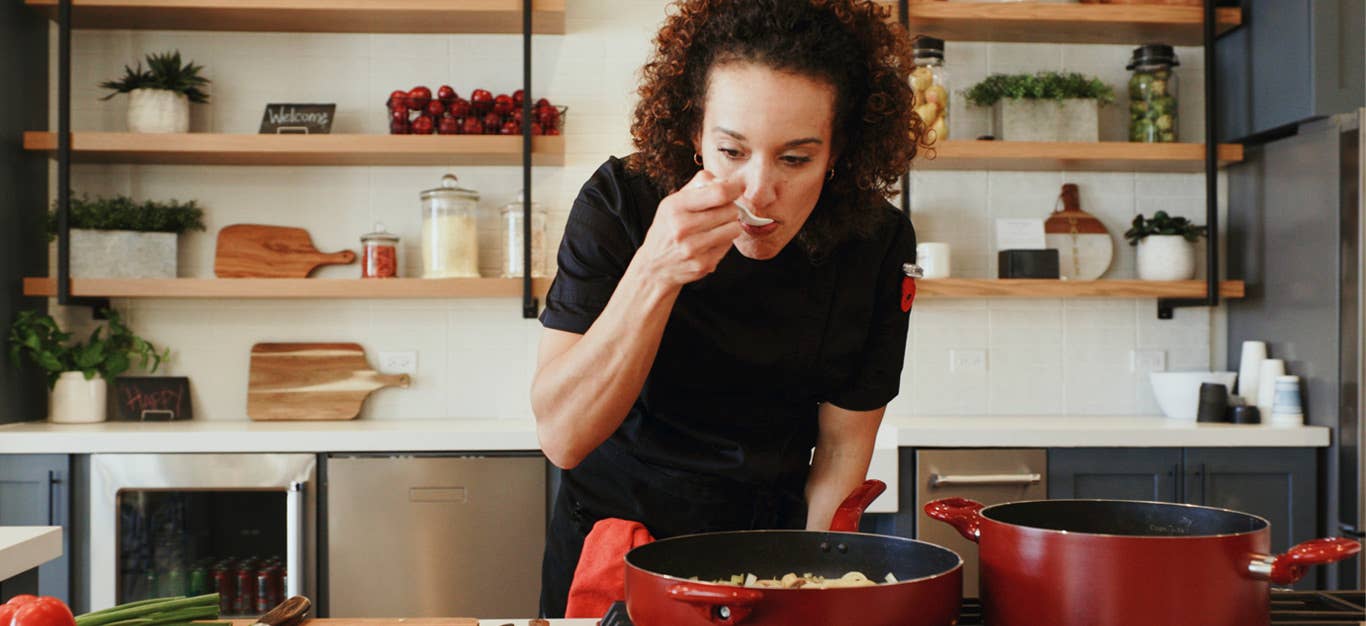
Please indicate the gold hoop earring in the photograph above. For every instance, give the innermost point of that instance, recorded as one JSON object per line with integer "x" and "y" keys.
{"x": 697, "y": 158}
{"x": 831, "y": 175}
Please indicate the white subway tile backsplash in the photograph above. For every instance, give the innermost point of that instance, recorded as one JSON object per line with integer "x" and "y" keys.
{"x": 476, "y": 358}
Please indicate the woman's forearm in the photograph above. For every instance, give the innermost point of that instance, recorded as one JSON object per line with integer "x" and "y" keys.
{"x": 843, "y": 451}
{"x": 582, "y": 394}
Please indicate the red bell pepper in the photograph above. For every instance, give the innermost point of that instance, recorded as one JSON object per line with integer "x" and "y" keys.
{"x": 44, "y": 611}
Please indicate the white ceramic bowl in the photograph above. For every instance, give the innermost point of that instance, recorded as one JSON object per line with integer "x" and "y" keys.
{"x": 1178, "y": 393}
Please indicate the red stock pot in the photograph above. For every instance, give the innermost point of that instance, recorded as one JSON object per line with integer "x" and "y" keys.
{"x": 661, "y": 590}
{"x": 1125, "y": 563}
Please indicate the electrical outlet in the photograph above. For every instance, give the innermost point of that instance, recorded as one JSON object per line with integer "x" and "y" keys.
{"x": 1147, "y": 361}
{"x": 967, "y": 361}
{"x": 398, "y": 363}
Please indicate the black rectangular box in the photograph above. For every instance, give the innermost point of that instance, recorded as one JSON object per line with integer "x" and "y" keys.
{"x": 1027, "y": 264}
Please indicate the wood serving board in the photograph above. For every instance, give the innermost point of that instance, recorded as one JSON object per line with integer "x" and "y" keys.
{"x": 257, "y": 251}
{"x": 312, "y": 381}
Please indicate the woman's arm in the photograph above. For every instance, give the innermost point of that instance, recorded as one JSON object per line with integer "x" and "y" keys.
{"x": 843, "y": 451}
{"x": 585, "y": 384}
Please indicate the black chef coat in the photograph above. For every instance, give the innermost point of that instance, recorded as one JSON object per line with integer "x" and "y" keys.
{"x": 721, "y": 435}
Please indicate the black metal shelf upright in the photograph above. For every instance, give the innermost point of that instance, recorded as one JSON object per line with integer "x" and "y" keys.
{"x": 530, "y": 307}
{"x": 64, "y": 297}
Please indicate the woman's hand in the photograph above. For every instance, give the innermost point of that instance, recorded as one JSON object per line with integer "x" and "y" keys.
{"x": 692, "y": 230}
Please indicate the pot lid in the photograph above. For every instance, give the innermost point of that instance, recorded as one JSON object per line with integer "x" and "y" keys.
{"x": 927, "y": 47}
{"x": 1153, "y": 54}
{"x": 450, "y": 188}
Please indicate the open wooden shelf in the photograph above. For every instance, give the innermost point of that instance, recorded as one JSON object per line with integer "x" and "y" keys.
{"x": 317, "y": 16}
{"x": 1041, "y": 22}
{"x": 1035, "y": 288}
{"x": 243, "y": 149}
{"x": 289, "y": 288}
{"x": 402, "y": 288}
{"x": 1103, "y": 156}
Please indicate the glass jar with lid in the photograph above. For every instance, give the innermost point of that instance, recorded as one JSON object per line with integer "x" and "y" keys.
{"x": 379, "y": 254}
{"x": 450, "y": 236}
{"x": 930, "y": 83}
{"x": 1153, "y": 94}
{"x": 513, "y": 216}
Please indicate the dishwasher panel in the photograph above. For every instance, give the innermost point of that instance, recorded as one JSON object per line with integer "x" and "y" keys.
{"x": 988, "y": 476}
{"x": 414, "y": 536}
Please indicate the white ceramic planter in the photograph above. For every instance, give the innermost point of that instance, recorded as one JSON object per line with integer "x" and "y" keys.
{"x": 76, "y": 400}
{"x": 1166, "y": 257}
{"x": 121, "y": 254}
{"x": 1074, "y": 119}
{"x": 158, "y": 111}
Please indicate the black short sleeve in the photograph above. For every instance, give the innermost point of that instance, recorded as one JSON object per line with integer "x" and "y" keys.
{"x": 600, "y": 238}
{"x": 878, "y": 378}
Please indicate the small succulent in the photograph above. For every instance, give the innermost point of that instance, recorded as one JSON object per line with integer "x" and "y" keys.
{"x": 1163, "y": 224}
{"x": 1040, "y": 86}
{"x": 164, "y": 71}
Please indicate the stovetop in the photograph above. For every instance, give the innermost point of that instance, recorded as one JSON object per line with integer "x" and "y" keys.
{"x": 1288, "y": 608}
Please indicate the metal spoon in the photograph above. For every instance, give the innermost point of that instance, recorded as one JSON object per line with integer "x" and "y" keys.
{"x": 748, "y": 217}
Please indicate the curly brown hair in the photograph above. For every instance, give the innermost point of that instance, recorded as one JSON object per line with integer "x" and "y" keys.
{"x": 851, "y": 44}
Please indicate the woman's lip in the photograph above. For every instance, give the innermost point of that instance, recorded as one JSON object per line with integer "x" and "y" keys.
{"x": 759, "y": 231}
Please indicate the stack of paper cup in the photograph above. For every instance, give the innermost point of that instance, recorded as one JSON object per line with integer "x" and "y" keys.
{"x": 1287, "y": 410}
{"x": 1250, "y": 369}
{"x": 1266, "y": 389}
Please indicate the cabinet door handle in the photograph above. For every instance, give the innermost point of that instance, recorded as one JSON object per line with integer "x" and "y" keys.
{"x": 984, "y": 480}
{"x": 54, "y": 490}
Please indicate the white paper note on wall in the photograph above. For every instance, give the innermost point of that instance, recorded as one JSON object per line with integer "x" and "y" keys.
{"x": 1019, "y": 234}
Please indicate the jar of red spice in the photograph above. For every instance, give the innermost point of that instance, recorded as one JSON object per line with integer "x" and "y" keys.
{"x": 379, "y": 254}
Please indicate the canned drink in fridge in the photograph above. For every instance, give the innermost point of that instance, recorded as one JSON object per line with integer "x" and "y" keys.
{"x": 246, "y": 591}
{"x": 199, "y": 581}
{"x": 226, "y": 586}
{"x": 267, "y": 589}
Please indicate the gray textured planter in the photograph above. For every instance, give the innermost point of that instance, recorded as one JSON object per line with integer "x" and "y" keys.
{"x": 1074, "y": 119}
{"x": 122, "y": 254}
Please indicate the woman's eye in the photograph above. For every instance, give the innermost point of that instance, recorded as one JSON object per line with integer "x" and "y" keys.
{"x": 796, "y": 160}
{"x": 729, "y": 152}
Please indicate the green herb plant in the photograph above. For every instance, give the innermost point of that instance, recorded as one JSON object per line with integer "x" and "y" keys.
{"x": 110, "y": 350}
{"x": 123, "y": 213}
{"x": 1163, "y": 224}
{"x": 1040, "y": 86}
{"x": 164, "y": 71}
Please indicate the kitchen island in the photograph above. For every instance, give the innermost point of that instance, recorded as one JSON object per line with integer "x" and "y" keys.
{"x": 23, "y": 548}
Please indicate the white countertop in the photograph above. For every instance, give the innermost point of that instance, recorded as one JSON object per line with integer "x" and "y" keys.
{"x": 23, "y": 548}
{"x": 486, "y": 435}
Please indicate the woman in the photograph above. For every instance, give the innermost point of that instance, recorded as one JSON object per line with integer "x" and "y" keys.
{"x": 689, "y": 362}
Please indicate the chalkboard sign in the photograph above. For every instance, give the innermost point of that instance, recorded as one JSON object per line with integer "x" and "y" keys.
{"x": 151, "y": 398}
{"x": 298, "y": 119}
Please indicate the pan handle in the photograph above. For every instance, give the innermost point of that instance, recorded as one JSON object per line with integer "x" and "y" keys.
{"x": 961, "y": 513}
{"x": 1289, "y": 568}
{"x": 727, "y": 607}
{"x": 847, "y": 517}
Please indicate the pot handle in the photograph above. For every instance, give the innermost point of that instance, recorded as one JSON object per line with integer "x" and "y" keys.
{"x": 961, "y": 513}
{"x": 726, "y": 606}
{"x": 1289, "y": 568}
{"x": 851, "y": 510}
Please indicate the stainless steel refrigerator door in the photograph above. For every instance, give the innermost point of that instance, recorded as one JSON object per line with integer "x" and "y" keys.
{"x": 435, "y": 536}
{"x": 111, "y": 474}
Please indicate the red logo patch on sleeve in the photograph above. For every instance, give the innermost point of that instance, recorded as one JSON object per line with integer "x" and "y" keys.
{"x": 907, "y": 293}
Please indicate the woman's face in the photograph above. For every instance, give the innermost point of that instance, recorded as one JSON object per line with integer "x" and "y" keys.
{"x": 771, "y": 129}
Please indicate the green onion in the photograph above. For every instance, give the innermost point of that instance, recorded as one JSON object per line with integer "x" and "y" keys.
{"x": 155, "y": 612}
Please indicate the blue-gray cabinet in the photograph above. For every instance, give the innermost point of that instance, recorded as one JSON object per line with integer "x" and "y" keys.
{"x": 1152, "y": 474}
{"x": 35, "y": 490}
{"x": 1290, "y": 61}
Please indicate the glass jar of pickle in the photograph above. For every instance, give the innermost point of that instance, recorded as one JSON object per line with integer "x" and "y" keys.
{"x": 450, "y": 237}
{"x": 1152, "y": 94}
{"x": 513, "y": 231}
{"x": 379, "y": 254}
{"x": 930, "y": 83}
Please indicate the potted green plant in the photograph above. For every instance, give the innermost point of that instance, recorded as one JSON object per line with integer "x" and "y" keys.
{"x": 159, "y": 97}
{"x": 1047, "y": 106}
{"x": 118, "y": 237}
{"x": 1166, "y": 246}
{"x": 77, "y": 372}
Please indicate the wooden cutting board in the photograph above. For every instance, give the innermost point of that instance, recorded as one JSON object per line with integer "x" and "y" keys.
{"x": 312, "y": 381}
{"x": 257, "y": 251}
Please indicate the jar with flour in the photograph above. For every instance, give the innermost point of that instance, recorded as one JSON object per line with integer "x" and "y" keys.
{"x": 450, "y": 236}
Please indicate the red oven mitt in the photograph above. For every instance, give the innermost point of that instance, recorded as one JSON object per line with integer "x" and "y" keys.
{"x": 600, "y": 577}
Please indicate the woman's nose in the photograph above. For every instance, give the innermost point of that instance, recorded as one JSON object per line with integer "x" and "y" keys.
{"x": 760, "y": 187}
